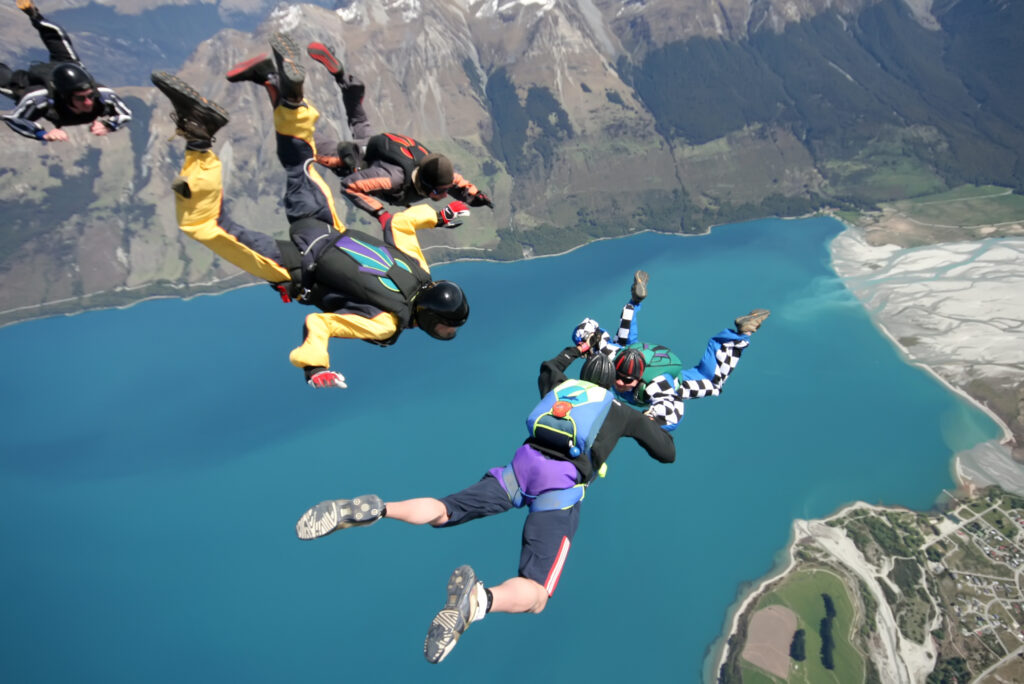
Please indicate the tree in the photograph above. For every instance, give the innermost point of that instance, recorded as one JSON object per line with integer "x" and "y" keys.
{"x": 797, "y": 649}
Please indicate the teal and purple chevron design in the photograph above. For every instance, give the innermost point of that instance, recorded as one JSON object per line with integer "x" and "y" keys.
{"x": 371, "y": 259}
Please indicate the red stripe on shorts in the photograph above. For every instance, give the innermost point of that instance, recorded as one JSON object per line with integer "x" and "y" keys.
{"x": 556, "y": 569}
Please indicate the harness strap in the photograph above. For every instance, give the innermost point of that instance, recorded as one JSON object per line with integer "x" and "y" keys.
{"x": 551, "y": 500}
{"x": 511, "y": 484}
{"x": 558, "y": 499}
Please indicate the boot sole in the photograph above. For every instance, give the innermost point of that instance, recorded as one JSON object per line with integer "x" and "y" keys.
{"x": 320, "y": 53}
{"x": 182, "y": 94}
{"x": 755, "y": 318}
{"x": 238, "y": 72}
{"x": 458, "y": 610}
{"x": 329, "y": 516}
{"x": 640, "y": 280}
{"x": 286, "y": 54}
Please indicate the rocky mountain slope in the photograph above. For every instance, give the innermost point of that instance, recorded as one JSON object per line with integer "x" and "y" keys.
{"x": 582, "y": 118}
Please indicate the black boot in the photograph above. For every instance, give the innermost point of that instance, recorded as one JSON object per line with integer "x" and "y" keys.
{"x": 258, "y": 70}
{"x": 290, "y": 73}
{"x": 197, "y": 118}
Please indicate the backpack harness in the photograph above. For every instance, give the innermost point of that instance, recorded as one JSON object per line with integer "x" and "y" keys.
{"x": 399, "y": 150}
{"x": 567, "y": 419}
{"x": 371, "y": 271}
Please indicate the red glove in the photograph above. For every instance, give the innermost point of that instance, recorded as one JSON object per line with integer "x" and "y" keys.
{"x": 327, "y": 378}
{"x": 448, "y": 217}
{"x": 384, "y": 217}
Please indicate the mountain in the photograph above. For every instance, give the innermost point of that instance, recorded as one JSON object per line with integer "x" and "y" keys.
{"x": 582, "y": 118}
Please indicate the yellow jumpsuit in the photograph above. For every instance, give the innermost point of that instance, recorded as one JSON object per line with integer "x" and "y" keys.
{"x": 201, "y": 216}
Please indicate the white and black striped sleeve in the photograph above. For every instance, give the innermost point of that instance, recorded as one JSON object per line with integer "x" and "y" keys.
{"x": 32, "y": 106}
{"x": 116, "y": 112}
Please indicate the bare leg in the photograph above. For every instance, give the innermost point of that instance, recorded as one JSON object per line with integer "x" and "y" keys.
{"x": 425, "y": 511}
{"x": 518, "y": 595}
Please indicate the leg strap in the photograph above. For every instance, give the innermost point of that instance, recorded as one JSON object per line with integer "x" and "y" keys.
{"x": 511, "y": 485}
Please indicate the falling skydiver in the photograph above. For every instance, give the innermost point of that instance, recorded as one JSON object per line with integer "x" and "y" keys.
{"x": 387, "y": 167}
{"x": 571, "y": 433}
{"x": 60, "y": 91}
{"x": 651, "y": 376}
{"x": 367, "y": 288}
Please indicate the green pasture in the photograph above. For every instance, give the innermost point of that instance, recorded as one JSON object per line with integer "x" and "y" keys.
{"x": 755, "y": 675}
{"x": 882, "y": 179}
{"x": 801, "y": 592}
{"x": 967, "y": 205}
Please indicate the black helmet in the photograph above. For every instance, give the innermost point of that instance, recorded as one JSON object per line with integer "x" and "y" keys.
{"x": 68, "y": 78}
{"x": 599, "y": 370}
{"x": 629, "y": 365}
{"x": 441, "y": 302}
{"x": 348, "y": 153}
{"x": 434, "y": 171}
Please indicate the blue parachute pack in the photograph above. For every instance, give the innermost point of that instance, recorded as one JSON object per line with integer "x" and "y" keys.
{"x": 569, "y": 417}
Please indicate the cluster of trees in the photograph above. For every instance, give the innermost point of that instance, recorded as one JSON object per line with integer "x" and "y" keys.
{"x": 798, "y": 647}
{"x": 950, "y": 671}
{"x": 888, "y": 537}
{"x": 512, "y": 119}
{"x": 827, "y": 643}
{"x": 906, "y": 573}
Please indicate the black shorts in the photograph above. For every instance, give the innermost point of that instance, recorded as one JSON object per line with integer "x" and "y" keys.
{"x": 547, "y": 535}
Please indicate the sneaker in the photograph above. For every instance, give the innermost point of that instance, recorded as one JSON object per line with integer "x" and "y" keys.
{"x": 196, "y": 117}
{"x": 639, "y": 289}
{"x": 321, "y": 53}
{"x": 749, "y": 323}
{"x": 257, "y": 70}
{"x": 455, "y": 617}
{"x": 290, "y": 73}
{"x": 328, "y": 516}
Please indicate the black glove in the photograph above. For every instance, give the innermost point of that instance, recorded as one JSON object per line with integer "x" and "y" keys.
{"x": 481, "y": 200}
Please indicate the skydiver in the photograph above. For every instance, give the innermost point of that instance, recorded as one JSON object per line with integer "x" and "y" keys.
{"x": 651, "y": 376}
{"x": 368, "y": 288}
{"x": 387, "y": 167}
{"x": 60, "y": 91}
{"x": 572, "y": 432}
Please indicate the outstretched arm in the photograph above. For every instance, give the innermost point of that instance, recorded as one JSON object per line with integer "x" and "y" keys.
{"x": 400, "y": 230}
{"x": 116, "y": 114}
{"x": 658, "y": 443}
{"x": 321, "y": 327}
{"x": 666, "y": 404}
{"x": 22, "y": 120}
{"x": 552, "y": 371}
{"x": 463, "y": 190}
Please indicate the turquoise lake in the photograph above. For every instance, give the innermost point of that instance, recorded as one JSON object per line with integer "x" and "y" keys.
{"x": 154, "y": 461}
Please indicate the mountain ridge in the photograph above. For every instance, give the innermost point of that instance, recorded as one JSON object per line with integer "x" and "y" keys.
{"x": 583, "y": 119}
